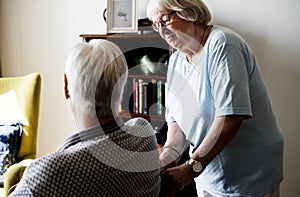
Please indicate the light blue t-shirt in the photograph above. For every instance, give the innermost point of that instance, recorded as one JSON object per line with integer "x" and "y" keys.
{"x": 226, "y": 80}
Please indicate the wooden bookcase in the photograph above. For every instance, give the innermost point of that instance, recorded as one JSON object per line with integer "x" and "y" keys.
{"x": 135, "y": 47}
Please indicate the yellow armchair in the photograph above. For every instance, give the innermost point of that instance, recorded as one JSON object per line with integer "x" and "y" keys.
{"x": 20, "y": 101}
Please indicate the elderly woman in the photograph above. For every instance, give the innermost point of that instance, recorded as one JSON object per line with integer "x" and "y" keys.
{"x": 217, "y": 104}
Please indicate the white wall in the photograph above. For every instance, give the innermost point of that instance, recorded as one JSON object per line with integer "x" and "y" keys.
{"x": 36, "y": 35}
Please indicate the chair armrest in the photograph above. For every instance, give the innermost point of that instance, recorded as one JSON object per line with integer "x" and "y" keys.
{"x": 14, "y": 174}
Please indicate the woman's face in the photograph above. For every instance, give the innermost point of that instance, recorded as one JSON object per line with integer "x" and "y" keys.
{"x": 177, "y": 32}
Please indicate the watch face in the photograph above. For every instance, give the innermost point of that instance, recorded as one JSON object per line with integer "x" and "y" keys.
{"x": 197, "y": 166}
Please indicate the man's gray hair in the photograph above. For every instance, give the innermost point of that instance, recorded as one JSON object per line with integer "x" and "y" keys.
{"x": 97, "y": 73}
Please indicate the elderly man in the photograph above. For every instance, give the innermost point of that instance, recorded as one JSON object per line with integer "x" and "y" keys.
{"x": 107, "y": 157}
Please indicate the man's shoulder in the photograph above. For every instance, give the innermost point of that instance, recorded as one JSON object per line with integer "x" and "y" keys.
{"x": 57, "y": 160}
{"x": 137, "y": 120}
{"x": 139, "y": 127}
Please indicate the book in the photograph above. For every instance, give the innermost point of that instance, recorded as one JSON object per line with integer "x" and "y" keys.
{"x": 148, "y": 95}
{"x": 159, "y": 98}
{"x": 136, "y": 96}
{"x": 140, "y": 96}
{"x": 154, "y": 91}
{"x": 145, "y": 98}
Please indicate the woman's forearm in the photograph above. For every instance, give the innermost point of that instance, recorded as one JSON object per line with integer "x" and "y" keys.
{"x": 176, "y": 138}
{"x": 174, "y": 146}
{"x": 220, "y": 134}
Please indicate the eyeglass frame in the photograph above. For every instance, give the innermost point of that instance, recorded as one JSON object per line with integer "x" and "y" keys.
{"x": 162, "y": 23}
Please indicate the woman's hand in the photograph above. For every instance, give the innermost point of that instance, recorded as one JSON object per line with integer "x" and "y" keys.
{"x": 168, "y": 158}
{"x": 177, "y": 178}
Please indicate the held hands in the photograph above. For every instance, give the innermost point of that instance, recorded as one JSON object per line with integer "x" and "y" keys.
{"x": 178, "y": 177}
{"x": 168, "y": 158}
{"x": 174, "y": 177}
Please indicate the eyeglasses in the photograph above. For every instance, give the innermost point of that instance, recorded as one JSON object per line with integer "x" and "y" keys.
{"x": 163, "y": 21}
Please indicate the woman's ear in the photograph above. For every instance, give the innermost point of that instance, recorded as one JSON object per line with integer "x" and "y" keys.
{"x": 66, "y": 90}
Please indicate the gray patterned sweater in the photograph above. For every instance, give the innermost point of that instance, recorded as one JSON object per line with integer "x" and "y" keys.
{"x": 114, "y": 159}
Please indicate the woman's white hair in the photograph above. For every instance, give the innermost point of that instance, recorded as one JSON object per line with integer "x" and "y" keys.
{"x": 195, "y": 11}
{"x": 97, "y": 73}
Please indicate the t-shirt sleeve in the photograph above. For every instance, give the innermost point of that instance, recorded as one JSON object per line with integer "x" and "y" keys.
{"x": 229, "y": 80}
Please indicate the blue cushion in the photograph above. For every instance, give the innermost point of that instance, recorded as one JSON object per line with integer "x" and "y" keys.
{"x": 10, "y": 141}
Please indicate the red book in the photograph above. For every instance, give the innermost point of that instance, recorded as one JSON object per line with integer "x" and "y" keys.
{"x": 141, "y": 96}
{"x": 136, "y": 96}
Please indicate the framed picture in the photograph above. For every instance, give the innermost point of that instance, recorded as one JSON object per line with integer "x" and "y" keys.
{"x": 121, "y": 16}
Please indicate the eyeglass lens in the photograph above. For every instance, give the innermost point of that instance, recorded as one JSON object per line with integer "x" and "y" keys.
{"x": 162, "y": 22}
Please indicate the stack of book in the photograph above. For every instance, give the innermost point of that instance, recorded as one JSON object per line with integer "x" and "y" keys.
{"x": 148, "y": 96}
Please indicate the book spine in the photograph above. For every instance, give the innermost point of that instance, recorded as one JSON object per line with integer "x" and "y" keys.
{"x": 159, "y": 98}
{"x": 133, "y": 97}
{"x": 154, "y": 91}
{"x": 145, "y": 90}
{"x": 140, "y": 96}
{"x": 136, "y": 96}
{"x": 149, "y": 97}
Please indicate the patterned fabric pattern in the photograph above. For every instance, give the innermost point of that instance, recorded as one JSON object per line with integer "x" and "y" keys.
{"x": 121, "y": 163}
{"x": 10, "y": 141}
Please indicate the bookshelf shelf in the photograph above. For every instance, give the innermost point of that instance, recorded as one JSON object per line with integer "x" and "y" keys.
{"x": 88, "y": 37}
{"x": 158, "y": 77}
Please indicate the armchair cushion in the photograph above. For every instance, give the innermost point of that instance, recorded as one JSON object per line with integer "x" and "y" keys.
{"x": 20, "y": 101}
{"x": 10, "y": 140}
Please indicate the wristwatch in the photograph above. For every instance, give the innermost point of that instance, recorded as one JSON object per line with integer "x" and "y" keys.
{"x": 196, "y": 166}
